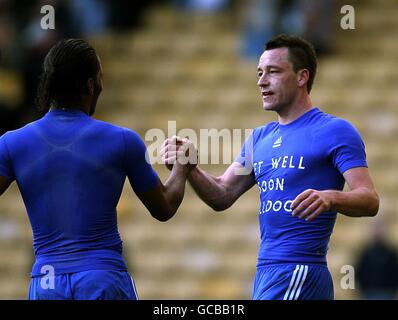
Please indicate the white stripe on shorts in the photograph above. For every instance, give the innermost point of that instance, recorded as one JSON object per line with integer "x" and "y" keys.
{"x": 296, "y": 283}
{"x": 298, "y": 279}
{"x": 302, "y": 282}
{"x": 135, "y": 290}
{"x": 291, "y": 282}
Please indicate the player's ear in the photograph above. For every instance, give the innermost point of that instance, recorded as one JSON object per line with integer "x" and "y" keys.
{"x": 90, "y": 86}
{"x": 302, "y": 77}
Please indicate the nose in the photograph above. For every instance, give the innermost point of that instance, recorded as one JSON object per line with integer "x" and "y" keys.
{"x": 263, "y": 81}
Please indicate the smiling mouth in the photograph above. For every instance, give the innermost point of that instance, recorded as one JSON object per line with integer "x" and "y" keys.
{"x": 266, "y": 93}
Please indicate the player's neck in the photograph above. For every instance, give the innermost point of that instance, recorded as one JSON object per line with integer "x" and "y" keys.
{"x": 66, "y": 107}
{"x": 295, "y": 110}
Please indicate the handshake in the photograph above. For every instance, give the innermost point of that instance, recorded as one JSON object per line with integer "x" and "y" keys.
{"x": 179, "y": 151}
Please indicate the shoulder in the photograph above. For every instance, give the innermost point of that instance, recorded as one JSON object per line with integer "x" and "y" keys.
{"x": 110, "y": 128}
{"x": 106, "y": 126}
{"x": 20, "y": 133}
{"x": 334, "y": 126}
{"x": 264, "y": 130}
{"x": 335, "y": 133}
{"x": 127, "y": 139}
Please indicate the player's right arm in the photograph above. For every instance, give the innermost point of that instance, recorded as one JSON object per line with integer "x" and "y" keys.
{"x": 161, "y": 200}
{"x": 217, "y": 192}
{"x": 220, "y": 192}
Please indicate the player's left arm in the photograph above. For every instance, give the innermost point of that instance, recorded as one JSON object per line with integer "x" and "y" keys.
{"x": 4, "y": 184}
{"x": 361, "y": 201}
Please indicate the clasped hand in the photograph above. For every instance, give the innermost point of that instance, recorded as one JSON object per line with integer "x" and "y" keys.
{"x": 179, "y": 150}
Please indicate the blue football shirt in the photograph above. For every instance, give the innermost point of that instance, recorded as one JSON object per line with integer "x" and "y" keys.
{"x": 70, "y": 169}
{"x": 311, "y": 152}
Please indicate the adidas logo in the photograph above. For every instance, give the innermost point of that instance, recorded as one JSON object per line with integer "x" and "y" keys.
{"x": 277, "y": 143}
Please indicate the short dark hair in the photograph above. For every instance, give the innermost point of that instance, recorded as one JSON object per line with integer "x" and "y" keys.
{"x": 66, "y": 69}
{"x": 301, "y": 53}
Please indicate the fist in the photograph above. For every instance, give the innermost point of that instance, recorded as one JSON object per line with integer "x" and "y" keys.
{"x": 178, "y": 150}
{"x": 310, "y": 204}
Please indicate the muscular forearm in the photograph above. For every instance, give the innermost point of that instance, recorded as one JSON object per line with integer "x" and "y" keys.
{"x": 361, "y": 202}
{"x": 174, "y": 187}
{"x": 217, "y": 192}
{"x": 209, "y": 189}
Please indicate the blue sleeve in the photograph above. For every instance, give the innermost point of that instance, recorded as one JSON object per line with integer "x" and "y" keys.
{"x": 242, "y": 155}
{"x": 246, "y": 154}
{"x": 346, "y": 146}
{"x": 6, "y": 168}
{"x": 140, "y": 173}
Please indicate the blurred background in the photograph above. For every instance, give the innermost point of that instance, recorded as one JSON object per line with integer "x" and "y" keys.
{"x": 195, "y": 62}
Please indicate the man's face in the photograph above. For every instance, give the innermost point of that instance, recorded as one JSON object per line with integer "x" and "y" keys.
{"x": 97, "y": 90}
{"x": 277, "y": 80}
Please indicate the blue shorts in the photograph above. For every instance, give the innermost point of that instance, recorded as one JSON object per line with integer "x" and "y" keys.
{"x": 293, "y": 282}
{"x": 87, "y": 285}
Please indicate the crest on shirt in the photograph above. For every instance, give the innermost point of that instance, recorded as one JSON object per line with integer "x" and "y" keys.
{"x": 277, "y": 143}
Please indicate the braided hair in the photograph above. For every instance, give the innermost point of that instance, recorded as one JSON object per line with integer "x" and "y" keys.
{"x": 66, "y": 69}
